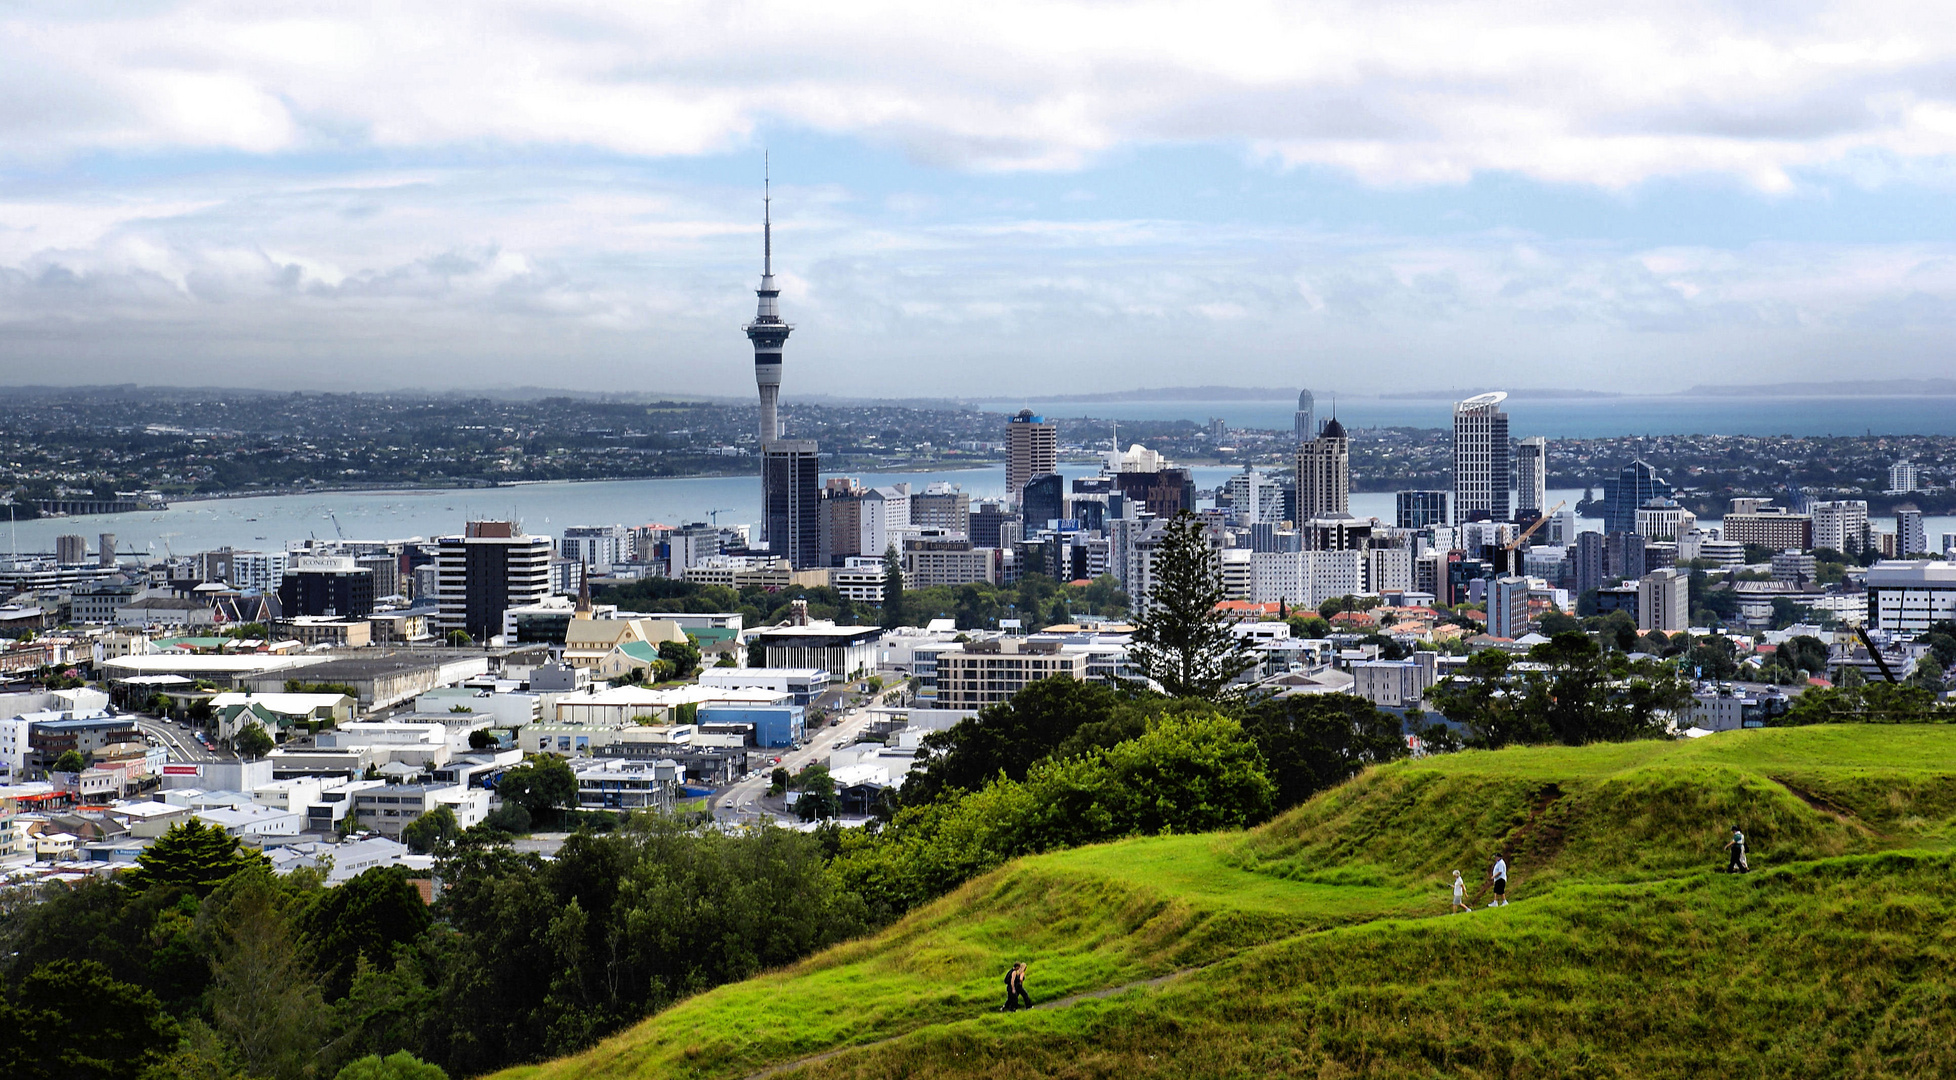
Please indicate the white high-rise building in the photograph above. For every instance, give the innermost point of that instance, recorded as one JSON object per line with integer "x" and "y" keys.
{"x": 1531, "y": 475}
{"x": 1664, "y": 601}
{"x": 1910, "y": 537}
{"x": 1480, "y": 458}
{"x": 1253, "y": 499}
{"x": 597, "y": 546}
{"x": 1840, "y": 526}
{"x": 1306, "y": 578}
{"x": 1903, "y": 477}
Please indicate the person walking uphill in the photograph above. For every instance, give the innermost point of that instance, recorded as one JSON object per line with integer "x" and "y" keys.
{"x": 1736, "y": 847}
{"x": 1459, "y": 895}
{"x": 1015, "y": 989}
{"x": 1500, "y": 876}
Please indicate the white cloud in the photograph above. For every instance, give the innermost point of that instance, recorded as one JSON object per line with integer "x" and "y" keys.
{"x": 1397, "y": 93}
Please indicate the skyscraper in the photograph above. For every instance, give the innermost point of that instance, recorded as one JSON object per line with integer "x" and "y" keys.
{"x": 1636, "y": 484}
{"x": 1324, "y": 474}
{"x": 767, "y": 331}
{"x": 791, "y": 490}
{"x": 489, "y": 569}
{"x": 1480, "y": 458}
{"x": 1910, "y": 538}
{"x": 1305, "y": 420}
{"x": 1531, "y": 477}
{"x": 1031, "y": 449}
{"x": 1419, "y": 509}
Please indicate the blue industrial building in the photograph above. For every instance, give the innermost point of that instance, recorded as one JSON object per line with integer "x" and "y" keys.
{"x": 774, "y": 725}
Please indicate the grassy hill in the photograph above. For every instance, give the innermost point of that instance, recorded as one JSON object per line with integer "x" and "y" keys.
{"x": 1318, "y": 944}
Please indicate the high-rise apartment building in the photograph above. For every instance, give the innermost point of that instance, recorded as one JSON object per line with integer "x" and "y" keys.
{"x": 1910, "y": 537}
{"x": 599, "y": 546}
{"x": 1324, "y": 474}
{"x": 1756, "y": 521}
{"x": 1254, "y": 499}
{"x": 1840, "y": 526}
{"x": 492, "y": 567}
{"x": 1304, "y": 421}
{"x": 1507, "y": 606}
{"x": 1420, "y": 509}
{"x": 1664, "y": 601}
{"x": 1903, "y": 477}
{"x": 1480, "y": 458}
{"x": 941, "y": 506}
{"x": 791, "y": 501}
{"x": 1531, "y": 477}
{"x": 1031, "y": 449}
{"x": 1623, "y": 556}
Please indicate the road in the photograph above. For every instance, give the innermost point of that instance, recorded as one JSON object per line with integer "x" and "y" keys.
{"x": 740, "y": 804}
{"x": 183, "y": 745}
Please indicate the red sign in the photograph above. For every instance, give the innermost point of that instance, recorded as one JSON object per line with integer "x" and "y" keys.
{"x": 183, "y": 770}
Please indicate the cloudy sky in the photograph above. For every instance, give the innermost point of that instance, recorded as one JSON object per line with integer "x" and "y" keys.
{"x": 976, "y": 198}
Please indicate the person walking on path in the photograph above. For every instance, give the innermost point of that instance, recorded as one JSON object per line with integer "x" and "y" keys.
{"x": 1015, "y": 989}
{"x": 1459, "y": 895}
{"x": 1500, "y": 876}
{"x": 1736, "y": 848}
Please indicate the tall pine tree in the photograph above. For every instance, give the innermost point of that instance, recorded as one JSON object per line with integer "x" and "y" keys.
{"x": 1181, "y": 641}
{"x": 892, "y": 588}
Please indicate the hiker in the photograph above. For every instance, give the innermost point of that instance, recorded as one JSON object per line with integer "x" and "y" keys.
{"x": 1500, "y": 876}
{"x": 1015, "y": 988}
{"x": 1459, "y": 895}
{"x": 1736, "y": 847}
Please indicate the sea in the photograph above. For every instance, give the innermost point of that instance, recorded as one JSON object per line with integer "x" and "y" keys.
{"x": 268, "y": 522}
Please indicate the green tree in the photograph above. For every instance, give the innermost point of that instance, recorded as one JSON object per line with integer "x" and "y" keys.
{"x": 1009, "y": 736}
{"x": 460, "y": 639}
{"x": 1806, "y": 653}
{"x": 1928, "y": 674}
{"x": 264, "y": 1001}
{"x": 1309, "y": 626}
{"x": 892, "y": 588}
{"x": 1315, "y": 741}
{"x": 194, "y": 855}
{"x": 684, "y": 656}
{"x": 1181, "y": 641}
{"x": 252, "y": 741}
{"x": 818, "y": 799}
{"x": 542, "y": 785}
{"x": 481, "y": 739}
{"x": 365, "y": 919}
{"x": 70, "y": 761}
{"x": 399, "y": 1065}
{"x": 431, "y": 830}
{"x": 73, "y": 1020}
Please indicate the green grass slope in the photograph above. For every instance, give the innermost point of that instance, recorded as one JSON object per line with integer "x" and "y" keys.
{"x": 1316, "y": 946}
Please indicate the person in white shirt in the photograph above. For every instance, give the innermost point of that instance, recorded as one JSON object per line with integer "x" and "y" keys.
{"x": 1500, "y": 876}
{"x": 1459, "y": 895}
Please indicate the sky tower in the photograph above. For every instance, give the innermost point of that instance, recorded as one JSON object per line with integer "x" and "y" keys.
{"x": 767, "y": 331}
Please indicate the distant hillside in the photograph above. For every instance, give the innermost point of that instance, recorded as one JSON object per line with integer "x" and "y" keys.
{"x": 1318, "y": 945}
{"x": 1872, "y": 388}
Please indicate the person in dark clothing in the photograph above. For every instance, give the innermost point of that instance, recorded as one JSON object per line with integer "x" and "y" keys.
{"x": 1015, "y": 989}
{"x": 1736, "y": 847}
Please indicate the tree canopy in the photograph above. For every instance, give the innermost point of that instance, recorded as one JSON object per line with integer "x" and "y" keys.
{"x": 1181, "y": 641}
{"x": 194, "y": 855}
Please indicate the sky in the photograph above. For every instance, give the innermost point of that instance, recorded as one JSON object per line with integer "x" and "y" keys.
{"x": 977, "y": 199}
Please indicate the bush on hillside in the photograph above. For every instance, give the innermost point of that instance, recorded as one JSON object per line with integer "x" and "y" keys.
{"x": 1188, "y": 772}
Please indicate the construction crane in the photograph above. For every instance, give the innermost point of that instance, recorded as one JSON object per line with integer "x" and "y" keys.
{"x": 715, "y": 514}
{"x": 336, "y": 525}
{"x": 1538, "y": 523}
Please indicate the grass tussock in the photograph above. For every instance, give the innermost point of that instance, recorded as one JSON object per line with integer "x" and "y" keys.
{"x": 1318, "y": 951}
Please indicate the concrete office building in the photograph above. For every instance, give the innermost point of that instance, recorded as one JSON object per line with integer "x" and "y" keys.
{"x": 599, "y": 547}
{"x": 491, "y": 567}
{"x": 1420, "y": 509}
{"x": 1031, "y": 449}
{"x": 1507, "y": 606}
{"x": 1664, "y": 601}
{"x": 326, "y": 585}
{"x": 1324, "y": 474}
{"x": 1531, "y": 477}
{"x": 1756, "y": 521}
{"x": 1480, "y": 459}
{"x": 1907, "y": 596}
{"x": 941, "y": 506}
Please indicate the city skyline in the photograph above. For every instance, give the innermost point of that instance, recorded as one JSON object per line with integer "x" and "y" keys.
{"x": 1606, "y": 200}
